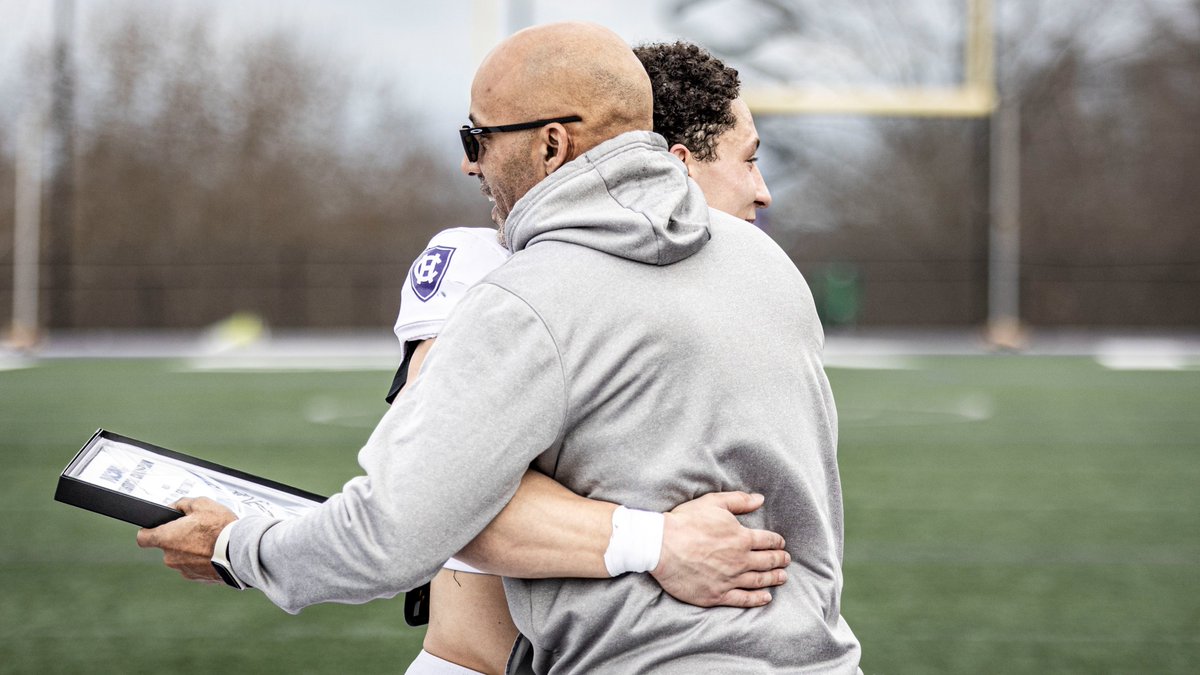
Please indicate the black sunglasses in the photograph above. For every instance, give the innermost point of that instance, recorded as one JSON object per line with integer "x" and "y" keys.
{"x": 470, "y": 135}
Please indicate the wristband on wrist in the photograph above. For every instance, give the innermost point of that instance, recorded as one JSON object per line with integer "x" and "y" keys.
{"x": 636, "y": 541}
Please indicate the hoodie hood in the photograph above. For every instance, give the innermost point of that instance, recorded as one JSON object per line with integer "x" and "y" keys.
{"x": 627, "y": 197}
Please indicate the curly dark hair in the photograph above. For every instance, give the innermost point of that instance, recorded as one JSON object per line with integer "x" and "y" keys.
{"x": 693, "y": 91}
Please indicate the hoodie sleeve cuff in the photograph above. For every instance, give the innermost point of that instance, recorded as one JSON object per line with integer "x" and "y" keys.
{"x": 220, "y": 559}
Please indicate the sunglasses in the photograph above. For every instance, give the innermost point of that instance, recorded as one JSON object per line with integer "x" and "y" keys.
{"x": 470, "y": 135}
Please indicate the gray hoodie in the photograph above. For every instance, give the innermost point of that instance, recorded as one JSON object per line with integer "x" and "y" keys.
{"x": 639, "y": 348}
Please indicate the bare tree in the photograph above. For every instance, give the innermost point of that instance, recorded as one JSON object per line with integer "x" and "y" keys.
{"x": 1110, "y": 145}
{"x": 217, "y": 177}
{"x": 1110, "y": 140}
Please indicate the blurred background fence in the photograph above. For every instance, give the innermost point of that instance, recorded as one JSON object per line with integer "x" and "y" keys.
{"x": 190, "y": 172}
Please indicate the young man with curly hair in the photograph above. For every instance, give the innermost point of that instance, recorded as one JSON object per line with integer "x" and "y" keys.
{"x": 707, "y": 125}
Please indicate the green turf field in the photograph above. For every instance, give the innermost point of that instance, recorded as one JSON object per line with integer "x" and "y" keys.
{"x": 1003, "y": 515}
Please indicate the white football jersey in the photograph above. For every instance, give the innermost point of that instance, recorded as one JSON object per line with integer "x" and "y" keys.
{"x": 453, "y": 262}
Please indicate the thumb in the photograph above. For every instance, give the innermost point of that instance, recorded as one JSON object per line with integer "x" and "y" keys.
{"x": 738, "y": 502}
{"x": 147, "y": 538}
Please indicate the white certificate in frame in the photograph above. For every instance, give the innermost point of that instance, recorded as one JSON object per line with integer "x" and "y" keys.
{"x": 137, "y": 482}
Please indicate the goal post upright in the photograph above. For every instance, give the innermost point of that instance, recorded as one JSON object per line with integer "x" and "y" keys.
{"x": 976, "y": 97}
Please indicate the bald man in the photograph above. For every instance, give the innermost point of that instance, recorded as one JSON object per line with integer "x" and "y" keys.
{"x": 637, "y": 347}
{"x": 698, "y": 111}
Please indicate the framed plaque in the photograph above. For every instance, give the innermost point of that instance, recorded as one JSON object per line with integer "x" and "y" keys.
{"x": 137, "y": 482}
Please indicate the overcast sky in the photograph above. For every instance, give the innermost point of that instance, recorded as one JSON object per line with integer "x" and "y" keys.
{"x": 434, "y": 47}
{"x": 430, "y": 48}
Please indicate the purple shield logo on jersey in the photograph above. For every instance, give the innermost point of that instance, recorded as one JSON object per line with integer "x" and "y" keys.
{"x": 427, "y": 272}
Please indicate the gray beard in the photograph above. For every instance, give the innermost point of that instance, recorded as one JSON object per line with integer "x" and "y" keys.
{"x": 500, "y": 234}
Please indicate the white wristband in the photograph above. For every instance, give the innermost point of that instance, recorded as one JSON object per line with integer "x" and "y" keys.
{"x": 636, "y": 541}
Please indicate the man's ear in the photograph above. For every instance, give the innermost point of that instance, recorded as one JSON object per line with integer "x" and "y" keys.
{"x": 680, "y": 150}
{"x": 556, "y": 147}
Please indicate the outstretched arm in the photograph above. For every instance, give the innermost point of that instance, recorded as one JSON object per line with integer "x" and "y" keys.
{"x": 706, "y": 557}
